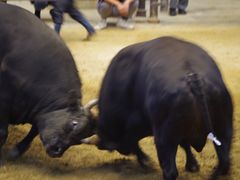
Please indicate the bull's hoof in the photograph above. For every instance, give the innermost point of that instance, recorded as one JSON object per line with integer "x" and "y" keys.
{"x": 192, "y": 167}
{"x": 220, "y": 171}
{"x": 145, "y": 163}
{"x": 14, "y": 154}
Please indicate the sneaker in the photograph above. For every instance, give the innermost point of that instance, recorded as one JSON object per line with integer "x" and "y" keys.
{"x": 90, "y": 36}
{"x": 101, "y": 25}
{"x": 126, "y": 24}
{"x": 172, "y": 12}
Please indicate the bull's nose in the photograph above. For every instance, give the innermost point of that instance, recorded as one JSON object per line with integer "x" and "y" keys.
{"x": 55, "y": 151}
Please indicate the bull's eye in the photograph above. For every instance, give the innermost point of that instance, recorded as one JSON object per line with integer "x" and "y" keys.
{"x": 71, "y": 126}
{"x": 74, "y": 124}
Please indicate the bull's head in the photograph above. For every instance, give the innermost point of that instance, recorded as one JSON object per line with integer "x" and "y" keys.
{"x": 65, "y": 127}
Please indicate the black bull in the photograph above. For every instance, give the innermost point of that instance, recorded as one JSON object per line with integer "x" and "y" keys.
{"x": 170, "y": 89}
{"x": 39, "y": 84}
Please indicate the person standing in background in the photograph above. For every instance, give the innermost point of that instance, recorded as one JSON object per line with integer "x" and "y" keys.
{"x": 178, "y": 7}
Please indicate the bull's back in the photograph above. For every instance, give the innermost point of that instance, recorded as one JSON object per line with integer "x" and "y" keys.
{"x": 28, "y": 46}
{"x": 165, "y": 60}
{"x": 173, "y": 58}
{"x": 21, "y": 29}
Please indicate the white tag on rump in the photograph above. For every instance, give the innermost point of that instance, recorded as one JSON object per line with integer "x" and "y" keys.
{"x": 214, "y": 139}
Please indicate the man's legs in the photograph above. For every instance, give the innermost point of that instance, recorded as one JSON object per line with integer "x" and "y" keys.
{"x": 182, "y": 5}
{"x": 173, "y": 7}
{"x": 105, "y": 10}
{"x": 133, "y": 8}
{"x": 125, "y": 22}
{"x": 57, "y": 16}
{"x": 79, "y": 17}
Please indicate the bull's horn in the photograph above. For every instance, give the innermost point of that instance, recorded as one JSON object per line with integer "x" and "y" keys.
{"x": 91, "y": 104}
{"x": 94, "y": 140}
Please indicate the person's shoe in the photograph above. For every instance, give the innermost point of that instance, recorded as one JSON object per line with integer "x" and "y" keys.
{"x": 172, "y": 12}
{"x": 101, "y": 25}
{"x": 182, "y": 11}
{"x": 126, "y": 24}
{"x": 90, "y": 36}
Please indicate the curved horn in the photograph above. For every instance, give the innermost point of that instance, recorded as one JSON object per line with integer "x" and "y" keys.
{"x": 94, "y": 140}
{"x": 91, "y": 104}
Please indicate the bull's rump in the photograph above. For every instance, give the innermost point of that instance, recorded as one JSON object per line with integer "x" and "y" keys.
{"x": 162, "y": 63}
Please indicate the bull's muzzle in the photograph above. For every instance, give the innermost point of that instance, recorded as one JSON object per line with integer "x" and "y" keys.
{"x": 55, "y": 150}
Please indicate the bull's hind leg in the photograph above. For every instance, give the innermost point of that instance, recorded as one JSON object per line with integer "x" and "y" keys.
{"x": 23, "y": 146}
{"x": 142, "y": 158}
{"x": 166, "y": 151}
{"x": 223, "y": 129}
{"x": 166, "y": 155}
{"x": 223, "y": 152}
{"x": 191, "y": 162}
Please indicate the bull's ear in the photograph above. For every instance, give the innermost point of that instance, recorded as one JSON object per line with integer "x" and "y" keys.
{"x": 73, "y": 100}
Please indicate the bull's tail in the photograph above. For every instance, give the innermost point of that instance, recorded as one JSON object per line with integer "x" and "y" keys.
{"x": 196, "y": 85}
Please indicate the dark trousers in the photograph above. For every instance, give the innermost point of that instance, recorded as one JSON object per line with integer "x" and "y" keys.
{"x": 180, "y": 4}
{"x": 59, "y": 8}
{"x": 67, "y": 6}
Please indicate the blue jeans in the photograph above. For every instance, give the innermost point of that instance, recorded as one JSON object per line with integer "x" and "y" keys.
{"x": 62, "y": 6}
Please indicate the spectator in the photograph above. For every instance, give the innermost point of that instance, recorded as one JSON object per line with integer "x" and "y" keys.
{"x": 124, "y": 9}
{"x": 178, "y": 6}
{"x": 59, "y": 8}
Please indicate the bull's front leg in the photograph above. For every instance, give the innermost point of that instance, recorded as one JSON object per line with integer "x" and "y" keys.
{"x": 24, "y": 145}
